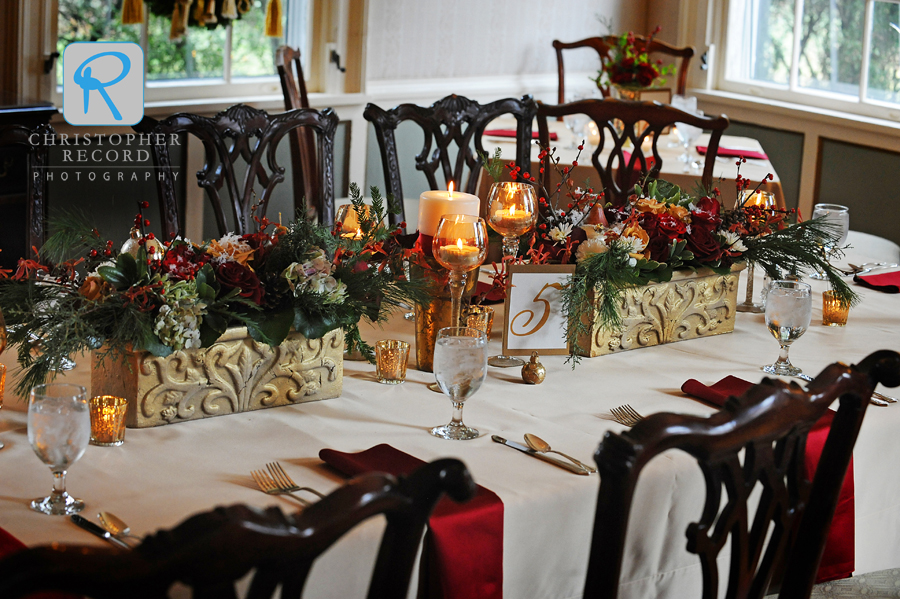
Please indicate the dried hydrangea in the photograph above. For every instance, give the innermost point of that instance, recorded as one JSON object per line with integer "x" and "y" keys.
{"x": 178, "y": 321}
{"x": 315, "y": 276}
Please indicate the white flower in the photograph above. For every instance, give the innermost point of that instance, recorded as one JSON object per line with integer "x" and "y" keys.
{"x": 733, "y": 241}
{"x": 633, "y": 245}
{"x": 594, "y": 231}
{"x": 560, "y": 232}
{"x": 591, "y": 246}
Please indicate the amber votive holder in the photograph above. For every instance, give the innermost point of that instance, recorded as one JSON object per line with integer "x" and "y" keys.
{"x": 2, "y": 382}
{"x": 834, "y": 311}
{"x": 108, "y": 420}
{"x": 391, "y": 357}
{"x": 481, "y": 318}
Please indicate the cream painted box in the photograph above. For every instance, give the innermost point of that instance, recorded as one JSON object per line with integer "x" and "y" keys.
{"x": 236, "y": 374}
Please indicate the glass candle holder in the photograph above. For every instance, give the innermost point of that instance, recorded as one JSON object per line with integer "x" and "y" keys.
{"x": 512, "y": 212}
{"x": 762, "y": 200}
{"x": 348, "y": 220}
{"x": 834, "y": 311}
{"x": 391, "y": 357}
{"x": 480, "y": 318}
{"x": 460, "y": 245}
{"x": 108, "y": 420}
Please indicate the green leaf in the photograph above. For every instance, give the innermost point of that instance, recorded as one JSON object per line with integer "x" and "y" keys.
{"x": 128, "y": 267}
{"x": 211, "y": 328}
{"x": 113, "y": 276}
{"x": 152, "y": 344}
{"x": 273, "y": 327}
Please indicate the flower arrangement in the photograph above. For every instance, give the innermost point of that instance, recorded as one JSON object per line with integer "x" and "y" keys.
{"x": 629, "y": 66}
{"x": 80, "y": 294}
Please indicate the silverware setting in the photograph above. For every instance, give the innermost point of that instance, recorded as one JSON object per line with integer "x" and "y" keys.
{"x": 92, "y": 528}
{"x": 626, "y": 415}
{"x": 115, "y": 526}
{"x": 861, "y": 269}
{"x": 541, "y": 456}
{"x": 541, "y": 446}
{"x": 877, "y": 399}
{"x": 277, "y": 482}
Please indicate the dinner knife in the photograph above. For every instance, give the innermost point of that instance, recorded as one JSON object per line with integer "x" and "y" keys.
{"x": 524, "y": 449}
{"x": 100, "y": 532}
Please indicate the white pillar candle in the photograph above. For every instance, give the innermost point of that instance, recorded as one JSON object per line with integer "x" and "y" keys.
{"x": 435, "y": 204}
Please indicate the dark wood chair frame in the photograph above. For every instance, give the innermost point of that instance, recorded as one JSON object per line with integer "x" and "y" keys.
{"x": 230, "y": 136}
{"x": 451, "y": 120}
{"x": 603, "y": 46}
{"x": 209, "y": 552}
{"x": 769, "y": 423}
{"x": 303, "y": 142}
{"x": 656, "y": 116}
{"x": 37, "y": 151}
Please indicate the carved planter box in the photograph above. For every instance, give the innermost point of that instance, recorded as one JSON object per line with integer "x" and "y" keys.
{"x": 235, "y": 374}
{"x": 691, "y": 305}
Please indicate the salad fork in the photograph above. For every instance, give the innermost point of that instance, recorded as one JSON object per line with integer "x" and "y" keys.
{"x": 285, "y": 482}
{"x": 626, "y": 415}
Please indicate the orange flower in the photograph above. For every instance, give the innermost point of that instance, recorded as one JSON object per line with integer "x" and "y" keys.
{"x": 680, "y": 212}
{"x": 242, "y": 253}
{"x": 636, "y": 231}
{"x": 649, "y": 205}
{"x": 94, "y": 288}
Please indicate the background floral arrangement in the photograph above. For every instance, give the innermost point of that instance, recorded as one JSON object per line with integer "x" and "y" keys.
{"x": 629, "y": 65}
{"x": 164, "y": 297}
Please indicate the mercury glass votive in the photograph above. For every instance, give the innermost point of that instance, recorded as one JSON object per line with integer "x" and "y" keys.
{"x": 108, "y": 420}
{"x": 834, "y": 311}
{"x": 480, "y": 318}
{"x": 390, "y": 361}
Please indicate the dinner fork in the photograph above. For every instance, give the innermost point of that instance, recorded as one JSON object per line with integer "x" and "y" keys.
{"x": 268, "y": 484}
{"x": 285, "y": 482}
{"x": 626, "y": 415}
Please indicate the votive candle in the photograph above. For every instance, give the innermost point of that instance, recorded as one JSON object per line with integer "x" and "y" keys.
{"x": 108, "y": 420}
{"x": 834, "y": 311}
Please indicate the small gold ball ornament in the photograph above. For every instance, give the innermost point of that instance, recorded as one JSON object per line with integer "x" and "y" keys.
{"x": 533, "y": 372}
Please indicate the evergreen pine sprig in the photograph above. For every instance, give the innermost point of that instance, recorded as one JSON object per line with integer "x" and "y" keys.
{"x": 492, "y": 164}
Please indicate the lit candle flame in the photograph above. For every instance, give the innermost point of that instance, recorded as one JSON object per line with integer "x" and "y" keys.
{"x": 512, "y": 210}
{"x": 450, "y": 188}
{"x": 459, "y": 243}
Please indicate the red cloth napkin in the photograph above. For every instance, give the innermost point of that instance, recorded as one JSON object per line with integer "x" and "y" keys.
{"x": 735, "y": 153}
{"x": 512, "y": 133}
{"x": 466, "y": 540}
{"x": 10, "y": 544}
{"x": 889, "y": 282}
{"x": 838, "y": 559}
{"x": 636, "y": 173}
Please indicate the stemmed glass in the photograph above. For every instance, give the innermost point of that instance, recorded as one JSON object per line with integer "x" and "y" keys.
{"x": 512, "y": 210}
{"x": 460, "y": 245}
{"x": 59, "y": 427}
{"x": 2, "y": 366}
{"x": 687, "y": 134}
{"x": 788, "y": 314}
{"x": 765, "y": 201}
{"x": 839, "y": 217}
{"x": 460, "y": 365}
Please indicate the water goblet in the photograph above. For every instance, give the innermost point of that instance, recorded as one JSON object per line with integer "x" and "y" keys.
{"x": 59, "y": 428}
{"x": 839, "y": 218}
{"x": 788, "y": 314}
{"x": 460, "y": 365}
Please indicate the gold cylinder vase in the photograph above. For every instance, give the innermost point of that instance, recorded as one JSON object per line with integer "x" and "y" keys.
{"x": 434, "y": 316}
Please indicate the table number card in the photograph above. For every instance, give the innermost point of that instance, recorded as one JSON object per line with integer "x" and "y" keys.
{"x": 534, "y": 317}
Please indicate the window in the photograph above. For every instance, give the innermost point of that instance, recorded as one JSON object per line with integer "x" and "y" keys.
{"x": 232, "y": 58}
{"x": 841, "y": 54}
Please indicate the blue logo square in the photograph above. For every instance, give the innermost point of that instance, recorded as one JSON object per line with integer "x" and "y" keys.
{"x": 103, "y": 83}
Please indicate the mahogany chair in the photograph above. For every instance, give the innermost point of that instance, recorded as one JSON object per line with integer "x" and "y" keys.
{"x": 616, "y": 120}
{"x": 209, "y": 552}
{"x": 454, "y": 120}
{"x": 34, "y": 142}
{"x": 756, "y": 440}
{"x": 303, "y": 141}
{"x": 604, "y": 45}
{"x": 240, "y": 133}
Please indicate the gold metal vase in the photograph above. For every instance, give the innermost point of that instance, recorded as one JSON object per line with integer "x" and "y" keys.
{"x": 436, "y": 315}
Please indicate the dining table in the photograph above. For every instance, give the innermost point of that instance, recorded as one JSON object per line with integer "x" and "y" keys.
{"x": 162, "y": 475}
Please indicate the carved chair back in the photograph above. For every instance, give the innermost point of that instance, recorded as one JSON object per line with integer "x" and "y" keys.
{"x": 210, "y": 551}
{"x": 758, "y": 439}
{"x": 35, "y": 142}
{"x": 622, "y": 121}
{"x": 604, "y": 45}
{"x": 240, "y": 133}
{"x": 454, "y": 120}
{"x": 304, "y": 175}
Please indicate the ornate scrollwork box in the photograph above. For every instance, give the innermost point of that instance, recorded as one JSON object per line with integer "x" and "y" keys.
{"x": 236, "y": 374}
{"x": 691, "y": 305}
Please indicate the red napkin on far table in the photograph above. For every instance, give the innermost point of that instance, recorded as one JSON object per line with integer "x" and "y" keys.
{"x": 889, "y": 282}
{"x": 734, "y": 153}
{"x": 512, "y": 133}
{"x": 466, "y": 540}
{"x": 838, "y": 559}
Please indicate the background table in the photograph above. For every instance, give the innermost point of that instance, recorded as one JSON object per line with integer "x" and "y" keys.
{"x": 162, "y": 475}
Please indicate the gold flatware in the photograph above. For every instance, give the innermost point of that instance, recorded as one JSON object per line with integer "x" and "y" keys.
{"x": 626, "y": 415}
{"x": 541, "y": 446}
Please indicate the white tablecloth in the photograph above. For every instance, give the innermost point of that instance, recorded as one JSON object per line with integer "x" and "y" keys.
{"x": 162, "y": 475}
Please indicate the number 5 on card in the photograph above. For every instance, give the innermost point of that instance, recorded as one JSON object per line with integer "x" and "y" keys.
{"x": 534, "y": 317}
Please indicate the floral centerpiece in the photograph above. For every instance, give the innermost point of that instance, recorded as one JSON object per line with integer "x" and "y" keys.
{"x": 81, "y": 294}
{"x": 629, "y": 67}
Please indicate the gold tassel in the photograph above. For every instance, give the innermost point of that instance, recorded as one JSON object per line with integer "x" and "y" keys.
{"x": 132, "y": 12}
{"x": 244, "y": 6}
{"x": 273, "y": 19}
{"x": 210, "y": 15}
{"x": 229, "y": 10}
{"x": 198, "y": 11}
{"x": 179, "y": 19}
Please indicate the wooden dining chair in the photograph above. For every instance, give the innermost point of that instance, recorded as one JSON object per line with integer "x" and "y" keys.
{"x": 616, "y": 121}
{"x": 240, "y": 133}
{"x": 35, "y": 143}
{"x": 604, "y": 45}
{"x": 754, "y": 448}
{"x": 210, "y": 551}
{"x": 452, "y": 121}
{"x": 304, "y": 174}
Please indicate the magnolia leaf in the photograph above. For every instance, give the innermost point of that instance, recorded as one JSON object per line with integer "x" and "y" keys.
{"x": 152, "y": 344}
{"x": 128, "y": 267}
{"x": 273, "y": 327}
{"x": 113, "y": 276}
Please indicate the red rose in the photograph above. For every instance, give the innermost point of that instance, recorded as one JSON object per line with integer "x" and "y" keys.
{"x": 670, "y": 226}
{"x": 182, "y": 262}
{"x": 711, "y": 205}
{"x": 233, "y": 275}
{"x": 646, "y": 73}
{"x": 704, "y": 244}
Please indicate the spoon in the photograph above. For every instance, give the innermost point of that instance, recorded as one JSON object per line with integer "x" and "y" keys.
{"x": 541, "y": 446}
{"x": 115, "y": 525}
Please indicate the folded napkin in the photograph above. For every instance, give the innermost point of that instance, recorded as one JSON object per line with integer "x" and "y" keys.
{"x": 627, "y": 183}
{"x": 889, "y": 282}
{"x": 838, "y": 558}
{"x": 735, "y": 153}
{"x": 10, "y": 544}
{"x": 465, "y": 540}
{"x": 512, "y": 133}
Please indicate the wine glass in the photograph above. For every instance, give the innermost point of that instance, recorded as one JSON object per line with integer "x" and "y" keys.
{"x": 59, "y": 428}
{"x": 460, "y": 245}
{"x": 788, "y": 314}
{"x": 460, "y": 365}
{"x": 765, "y": 201}
{"x": 839, "y": 217}
{"x": 687, "y": 134}
{"x": 576, "y": 124}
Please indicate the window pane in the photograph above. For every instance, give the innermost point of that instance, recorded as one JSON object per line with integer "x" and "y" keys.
{"x": 252, "y": 53}
{"x": 884, "y": 62}
{"x": 197, "y": 55}
{"x": 91, "y": 21}
{"x": 831, "y": 50}
{"x": 765, "y": 33}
